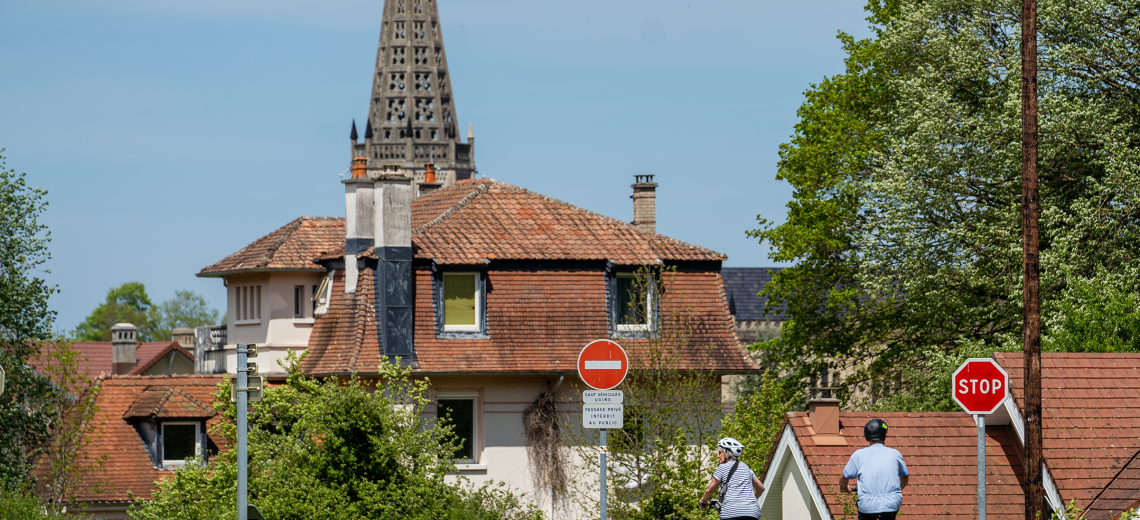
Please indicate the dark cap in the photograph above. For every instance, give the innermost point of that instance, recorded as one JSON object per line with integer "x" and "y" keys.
{"x": 875, "y": 430}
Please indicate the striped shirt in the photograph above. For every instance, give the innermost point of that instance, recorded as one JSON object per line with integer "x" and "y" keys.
{"x": 739, "y": 500}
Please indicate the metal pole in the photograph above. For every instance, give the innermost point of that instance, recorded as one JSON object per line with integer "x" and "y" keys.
{"x": 242, "y": 434}
{"x": 602, "y": 466}
{"x": 1030, "y": 211}
{"x": 981, "y": 419}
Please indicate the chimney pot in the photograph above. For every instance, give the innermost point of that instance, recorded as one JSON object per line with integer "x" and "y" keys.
{"x": 359, "y": 167}
{"x": 429, "y": 172}
{"x": 124, "y": 347}
{"x": 644, "y": 204}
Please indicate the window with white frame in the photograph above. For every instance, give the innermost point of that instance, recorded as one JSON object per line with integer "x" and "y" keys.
{"x": 322, "y": 294}
{"x": 248, "y": 299}
{"x": 180, "y": 441}
{"x": 634, "y": 302}
{"x": 460, "y": 410}
{"x": 461, "y": 302}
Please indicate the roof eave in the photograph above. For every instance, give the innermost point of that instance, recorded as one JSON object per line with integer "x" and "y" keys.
{"x": 220, "y": 274}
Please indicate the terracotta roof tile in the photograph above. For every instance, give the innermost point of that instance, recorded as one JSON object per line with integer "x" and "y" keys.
{"x": 128, "y": 469}
{"x": 939, "y": 449}
{"x": 468, "y": 223}
{"x": 538, "y": 321}
{"x": 167, "y": 403}
{"x": 95, "y": 356}
{"x": 1090, "y": 413}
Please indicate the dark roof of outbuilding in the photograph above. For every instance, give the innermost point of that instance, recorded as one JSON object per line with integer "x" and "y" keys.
{"x": 743, "y": 285}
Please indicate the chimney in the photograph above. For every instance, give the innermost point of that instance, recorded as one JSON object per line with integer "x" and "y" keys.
{"x": 393, "y": 275}
{"x": 429, "y": 185}
{"x": 358, "y": 220}
{"x": 124, "y": 343}
{"x": 823, "y": 412}
{"x": 644, "y": 204}
{"x": 184, "y": 336}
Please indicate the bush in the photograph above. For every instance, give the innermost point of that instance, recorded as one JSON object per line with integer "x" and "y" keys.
{"x": 334, "y": 449}
{"x": 18, "y": 506}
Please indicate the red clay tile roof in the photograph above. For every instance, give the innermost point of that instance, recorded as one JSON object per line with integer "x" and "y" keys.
{"x": 538, "y": 321}
{"x": 1121, "y": 494}
{"x": 1091, "y": 416}
{"x": 149, "y": 354}
{"x": 290, "y": 248}
{"x": 940, "y": 449}
{"x": 468, "y": 223}
{"x": 95, "y": 356}
{"x": 168, "y": 403}
{"x": 128, "y": 469}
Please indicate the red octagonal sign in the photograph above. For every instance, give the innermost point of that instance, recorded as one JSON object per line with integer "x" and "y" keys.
{"x": 980, "y": 385}
{"x": 602, "y": 364}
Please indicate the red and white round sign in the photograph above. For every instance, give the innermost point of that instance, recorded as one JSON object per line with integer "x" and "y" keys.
{"x": 980, "y": 385}
{"x": 602, "y": 364}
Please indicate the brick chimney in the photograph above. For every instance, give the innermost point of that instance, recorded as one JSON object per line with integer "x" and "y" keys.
{"x": 358, "y": 220}
{"x": 124, "y": 344}
{"x": 644, "y": 204}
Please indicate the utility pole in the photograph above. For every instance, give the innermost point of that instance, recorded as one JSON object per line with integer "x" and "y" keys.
{"x": 1030, "y": 210}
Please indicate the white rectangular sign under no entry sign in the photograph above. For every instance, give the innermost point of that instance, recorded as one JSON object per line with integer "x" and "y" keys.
{"x": 607, "y": 416}
{"x": 603, "y": 396}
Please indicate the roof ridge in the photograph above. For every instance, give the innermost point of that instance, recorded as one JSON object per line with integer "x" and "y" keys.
{"x": 290, "y": 229}
{"x": 623, "y": 223}
{"x": 474, "y": 194}
{"x": 1112, "y": 481}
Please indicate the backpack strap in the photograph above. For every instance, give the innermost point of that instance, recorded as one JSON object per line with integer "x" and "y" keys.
{"x": 724, "y": 485}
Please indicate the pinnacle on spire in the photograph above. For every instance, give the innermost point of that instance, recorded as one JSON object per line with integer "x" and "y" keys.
{"x": 352, "y": 135}
{"x": 470, "y": 131}
{"x": 368, "y": 130}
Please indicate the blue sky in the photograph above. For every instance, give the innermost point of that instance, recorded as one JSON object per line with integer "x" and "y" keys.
{"x": 171, "y": 134}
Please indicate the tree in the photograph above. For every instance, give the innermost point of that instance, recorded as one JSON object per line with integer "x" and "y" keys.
{"x": 186, "y": 309}
{"x": 930, "y": 263}
{"x": 127, "y": 303}
{"x": 758, "y": 417}
{"x": 334, "y": 449}
{"x": 65, "y": 467}
{"x": 25, "y": 320}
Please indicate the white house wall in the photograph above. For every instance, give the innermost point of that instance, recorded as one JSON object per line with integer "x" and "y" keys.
{"x": 279, "y": 331}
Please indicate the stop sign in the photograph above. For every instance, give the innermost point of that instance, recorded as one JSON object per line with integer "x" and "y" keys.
{"x": 602, "y": 364}
{"x": 980, "y": 385}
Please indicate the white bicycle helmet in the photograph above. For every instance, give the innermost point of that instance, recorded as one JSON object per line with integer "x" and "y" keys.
{"x": 731, "y": 446}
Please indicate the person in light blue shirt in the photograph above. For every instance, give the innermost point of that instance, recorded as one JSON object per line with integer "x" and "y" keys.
{"x": 881, "y": 472}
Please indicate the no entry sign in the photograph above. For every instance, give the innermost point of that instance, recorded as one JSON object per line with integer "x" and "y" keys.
{"x": 602, "y": 364}
{"x": 980, "y": 385}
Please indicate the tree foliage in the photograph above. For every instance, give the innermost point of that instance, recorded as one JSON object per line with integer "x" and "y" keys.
{"x": 334, "y": 449}
{"x": 757, "y": 418}
{"x": 906, "y": 218}
{"x": 130, "y": 303}
{"x": 25, "y": 321}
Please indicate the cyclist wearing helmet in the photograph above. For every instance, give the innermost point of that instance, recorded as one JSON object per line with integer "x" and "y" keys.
{"x": 739, "y": 486}
{"x": 881, "y": 472}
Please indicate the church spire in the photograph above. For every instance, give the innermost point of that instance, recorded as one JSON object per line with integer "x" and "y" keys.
{"x": 412, "y": 108}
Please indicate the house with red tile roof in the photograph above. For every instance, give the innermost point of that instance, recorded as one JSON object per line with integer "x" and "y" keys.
{"x": 97, "y": 358}
{"x": 1090, "y": 414}
{"x": 145, "y": 428}
{"x": 486, "y": 288}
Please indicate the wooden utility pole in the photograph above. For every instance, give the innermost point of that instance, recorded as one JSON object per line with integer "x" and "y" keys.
{"x": 1030, "y": 209}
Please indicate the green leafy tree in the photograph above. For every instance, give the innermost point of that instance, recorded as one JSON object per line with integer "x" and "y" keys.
{"x": 186, "y": 309}
{"x": 25, "y": 320}
{"x": 127, "y": 303}
{"x": 334, "y": 449}
{"x": 931, "y": 254}
{"x": 757, "y": 418}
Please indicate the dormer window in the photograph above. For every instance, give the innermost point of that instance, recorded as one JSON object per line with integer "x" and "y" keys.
{"x": 633, "y": 307}
{"x": 181, "y": 441}
{"x": 321, "y": 295}
{"x": 171, "y": 425}
{"x": 460, "y": 304}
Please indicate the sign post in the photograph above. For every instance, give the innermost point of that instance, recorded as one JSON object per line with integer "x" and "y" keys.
{"x": 980, "y": 387}
{"x": 602, "y": 365}
{"x": 245, "y": 370}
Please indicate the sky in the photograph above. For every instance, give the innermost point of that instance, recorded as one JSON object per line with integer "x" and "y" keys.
{"x": 172, "y": 134}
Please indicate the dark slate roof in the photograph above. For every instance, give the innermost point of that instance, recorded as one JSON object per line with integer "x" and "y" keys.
{"x": 742, "y": 285}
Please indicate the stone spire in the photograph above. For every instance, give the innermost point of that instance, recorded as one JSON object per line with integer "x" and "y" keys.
{"x": 412, "y": 108}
